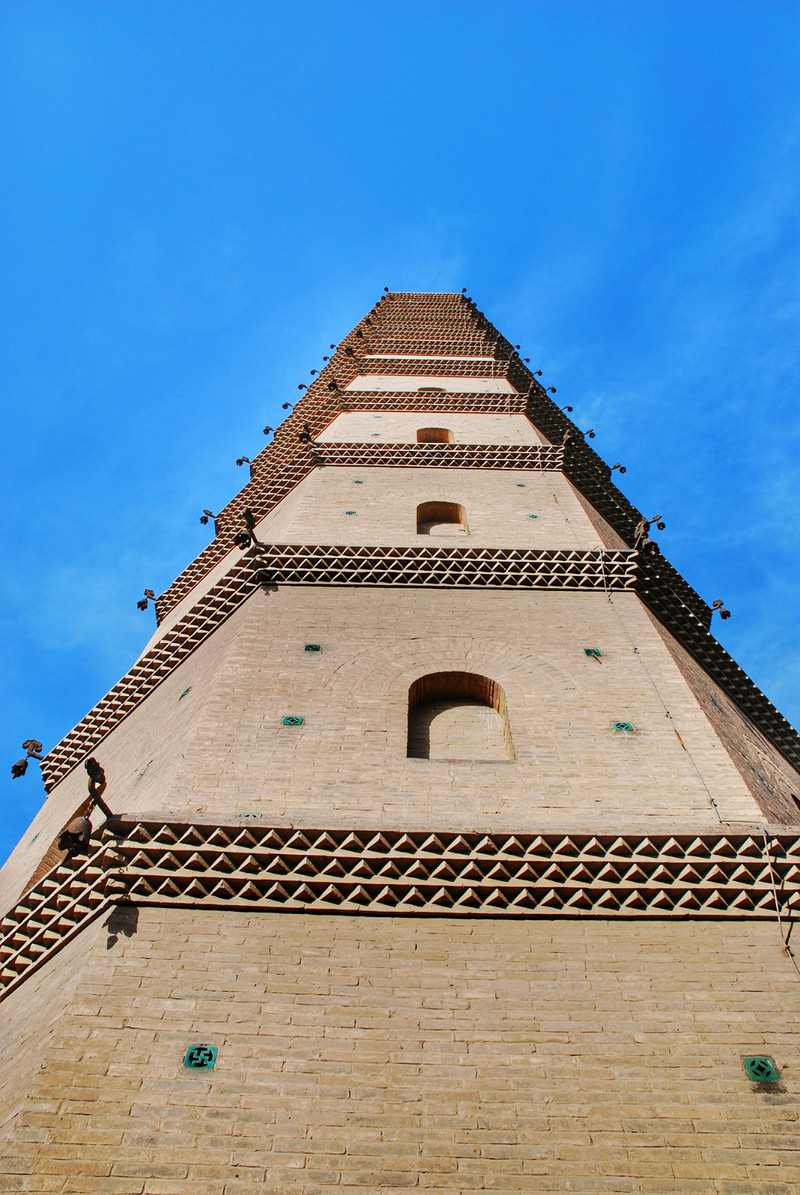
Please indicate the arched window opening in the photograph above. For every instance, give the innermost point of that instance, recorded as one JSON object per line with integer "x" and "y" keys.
{"x": 458, "y": 716}
{"x": 441, "y": 519}
{"x": 434, "y": 435}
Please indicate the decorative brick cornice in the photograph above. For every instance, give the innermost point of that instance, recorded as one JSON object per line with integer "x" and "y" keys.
{"x": 519, "y": 568}
{"x": 441, "y": 456}
{"x": 248, "y": 865}
{"x": 49, "y": 915}
{"x": 433, "y": 404}
{"x": 451, "y": 873}
{"x": 420, "y": 366}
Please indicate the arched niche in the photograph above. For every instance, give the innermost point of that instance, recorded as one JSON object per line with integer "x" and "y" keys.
{"x": 458, "y": 716}
{"x": 434, "y": 435}
{"x": 441, "y": 519}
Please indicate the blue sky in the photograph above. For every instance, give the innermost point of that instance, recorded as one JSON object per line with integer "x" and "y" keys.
{"x": 197, "y": 198}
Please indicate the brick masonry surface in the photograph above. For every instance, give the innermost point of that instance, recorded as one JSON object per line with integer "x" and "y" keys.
{"x": 770, "y": 778}
{"x": 462, "y": 383}
{"x": 222, "y": 748}
{"x": 398, "y": 427}
{"x": 382, "y": 1054}
{"x": 29, "y": 1017}
{"x": 377, "y": 1053}
{"x": 385, "y": 500}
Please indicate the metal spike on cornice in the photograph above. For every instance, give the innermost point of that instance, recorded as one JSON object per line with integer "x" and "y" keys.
{"x": 97, "y": 785}
{"x": 206, "y": 515}
{"x": 642, "y": 539}
{"x": 715, "y": 606}
{"x": 616, "y": 464}
{"x": 33, "y": 750}
{"x": 247, "y": 537}
{"x": 268, "y": 429}
{"x": 574, "y": 435}
{"x": 76, "y": 838}
{"x": 149, "y": 596}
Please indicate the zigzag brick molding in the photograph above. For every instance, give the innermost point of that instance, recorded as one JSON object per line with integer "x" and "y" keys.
{"x": 442, "y": 456}
{"x": 398, "y": 400}
{"x": 521, "y": 568}
{"x": 244, "y": 865}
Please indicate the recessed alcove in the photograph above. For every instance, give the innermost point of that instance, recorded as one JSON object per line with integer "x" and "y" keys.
{"x": 441, "y": 519}
{"x": 434, "y": 435}
{"x": 458, "y": 716}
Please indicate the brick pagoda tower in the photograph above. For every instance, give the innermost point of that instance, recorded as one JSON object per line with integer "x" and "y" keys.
{"x": 450, "y": 848}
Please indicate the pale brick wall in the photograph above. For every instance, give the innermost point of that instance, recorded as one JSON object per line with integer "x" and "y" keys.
{"x": 348, "y": 765}
{"x": 400, "y": 427}
{"x": 767, "y": 774}
{"x": 498, "y": 505}
{"x": 140, "y": 756}
{"x": 29, "y": 1017}
{"x": 388, "y": 382}
{"x": 222, "y": 750}
{"x": 378, "y": 1054}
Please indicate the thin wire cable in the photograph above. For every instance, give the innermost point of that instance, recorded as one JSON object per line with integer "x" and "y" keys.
{"x": 575, "y": 535}
{"x": 657, "y": 691}
{"x": 784, "y": 936}
{"x": 773, "y": 882}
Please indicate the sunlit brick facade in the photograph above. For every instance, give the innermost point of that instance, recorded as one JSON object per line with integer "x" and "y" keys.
{"x": 445, "y": 830}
